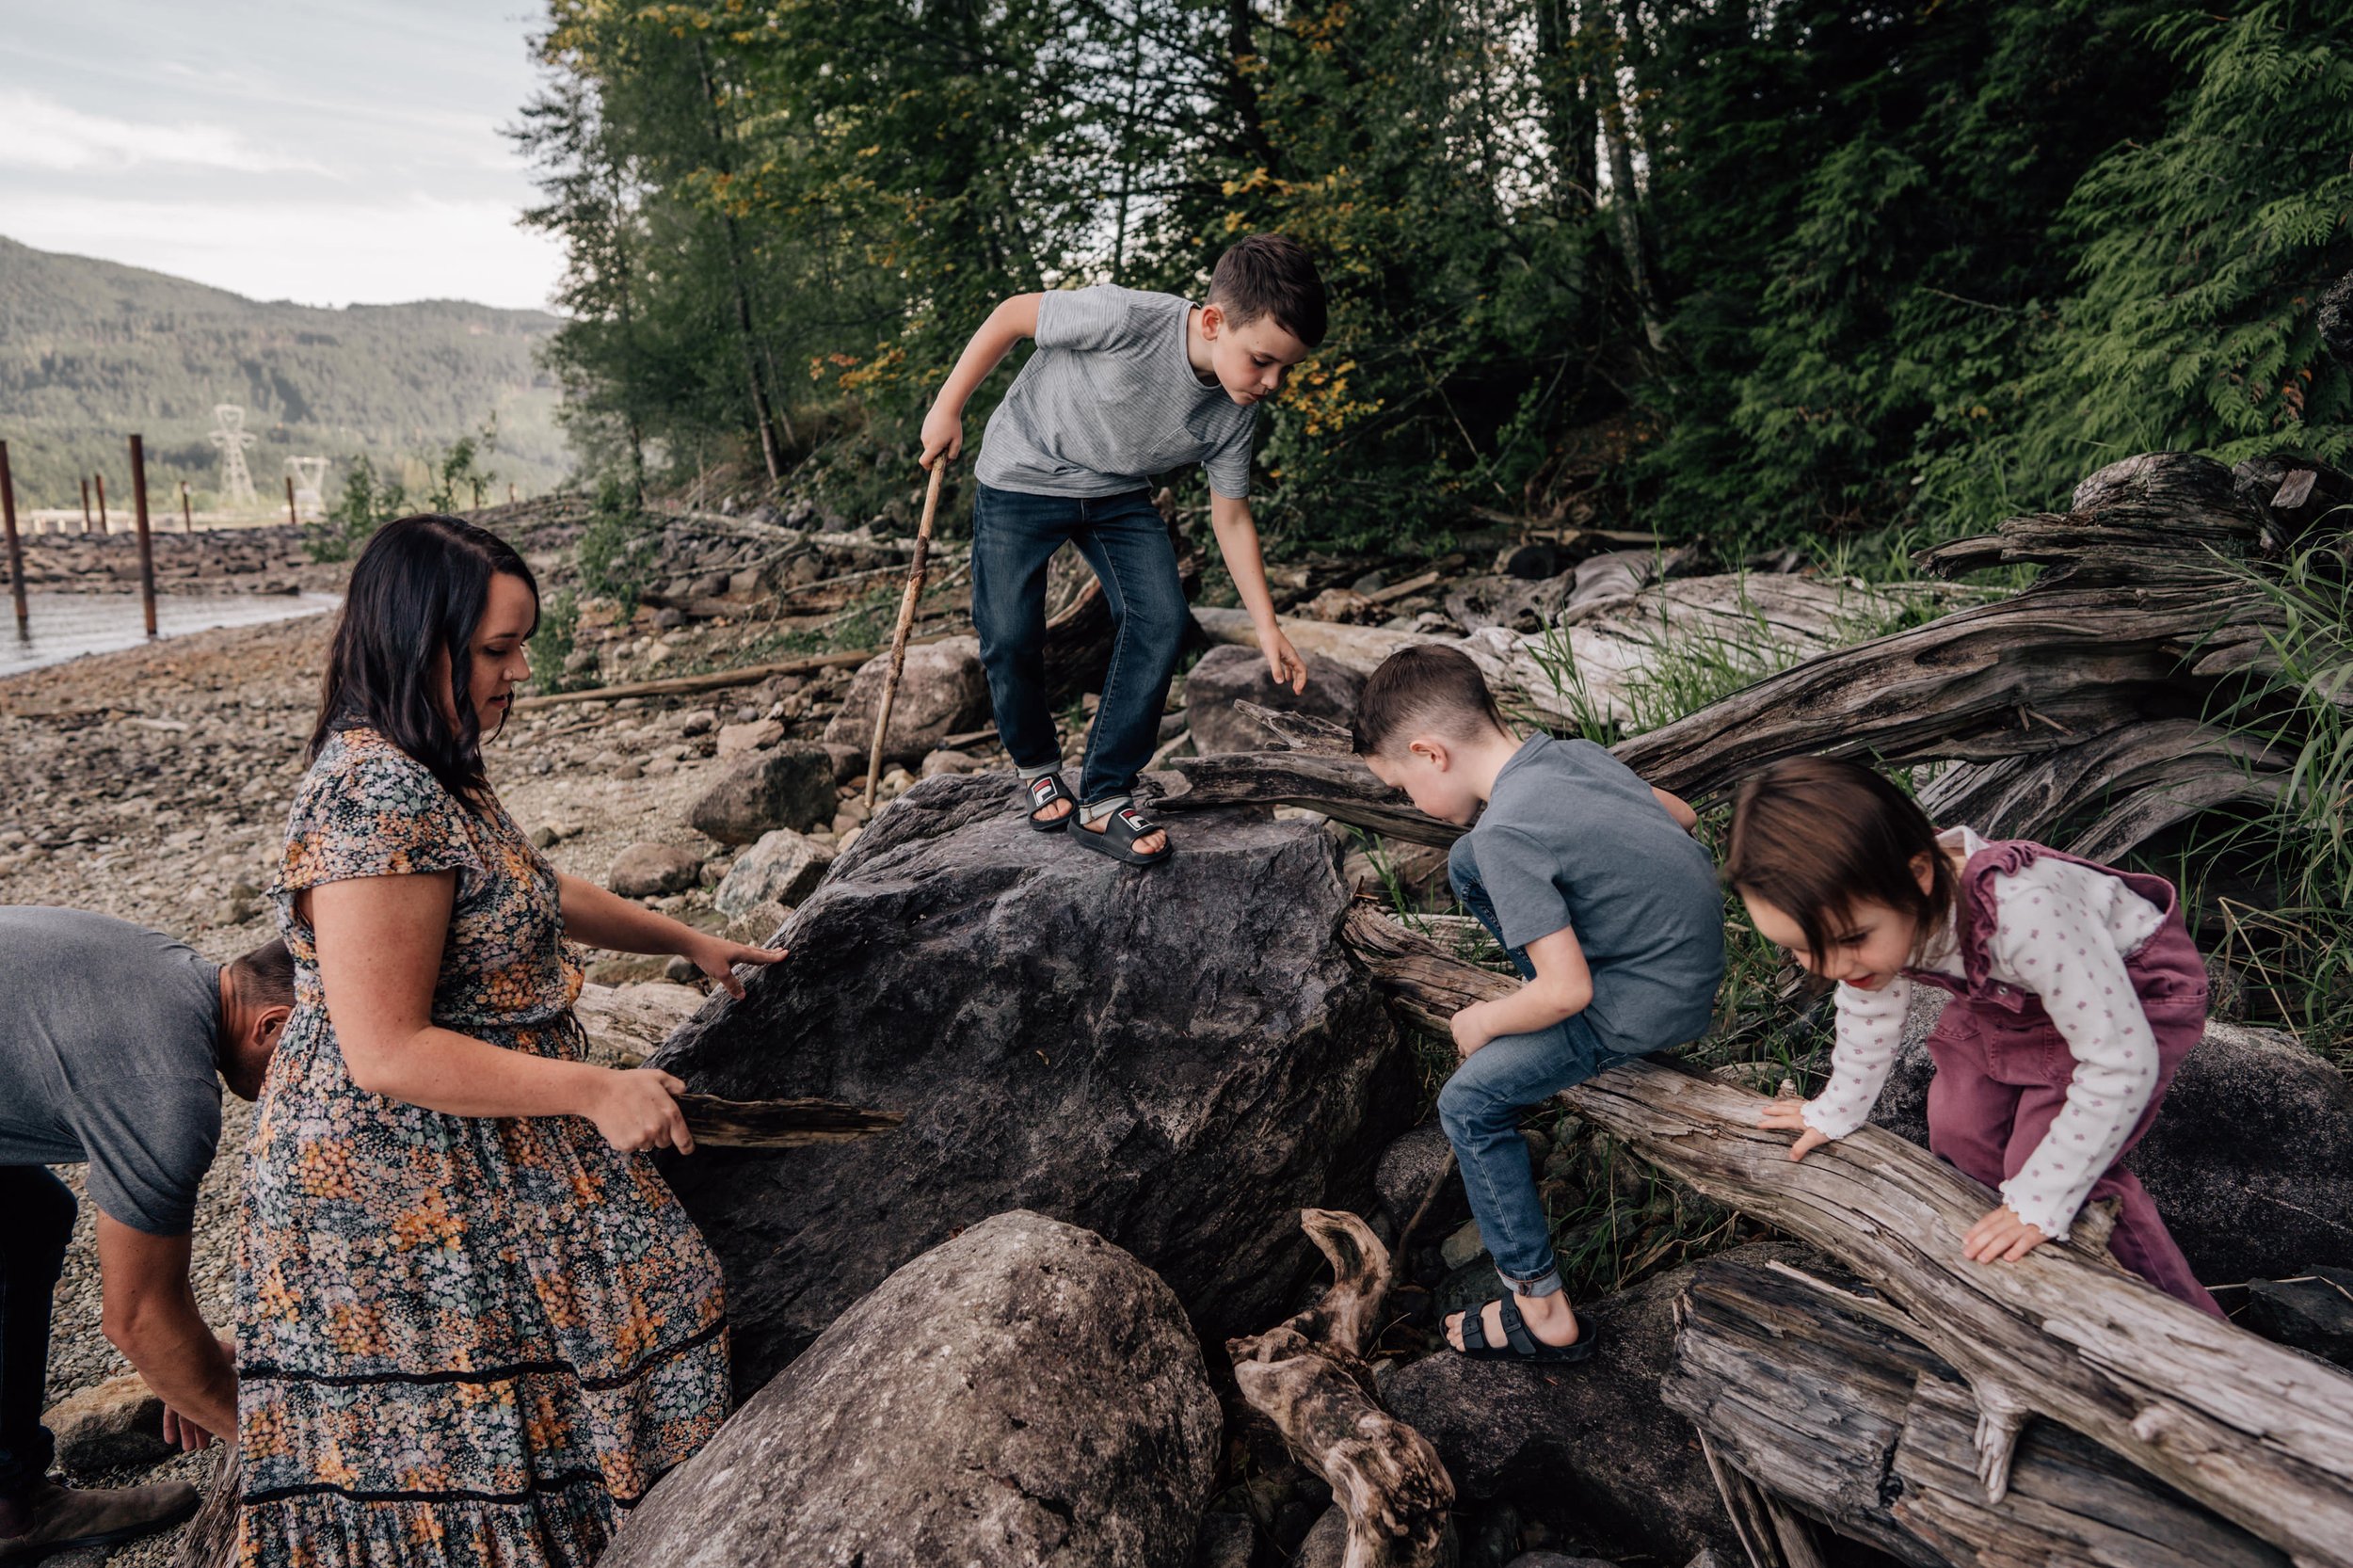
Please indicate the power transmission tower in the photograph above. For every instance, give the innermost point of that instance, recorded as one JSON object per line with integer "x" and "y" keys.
{"x": 232, "y": 438}
{"x": 308, "y": 474}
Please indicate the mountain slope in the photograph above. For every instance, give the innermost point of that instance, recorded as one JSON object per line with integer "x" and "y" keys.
{"x": 92, "y": 350}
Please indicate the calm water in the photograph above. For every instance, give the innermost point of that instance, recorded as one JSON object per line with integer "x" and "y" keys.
{"x": 66, "y": 626}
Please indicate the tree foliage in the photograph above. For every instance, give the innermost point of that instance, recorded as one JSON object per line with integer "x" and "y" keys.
{"x": 1745, "y": 271}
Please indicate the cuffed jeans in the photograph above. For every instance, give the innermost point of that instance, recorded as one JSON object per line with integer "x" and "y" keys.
{"x": 33, "y": 1238}
{"x": 1481, "y": 1105}
{"x": 1124, "y": 538}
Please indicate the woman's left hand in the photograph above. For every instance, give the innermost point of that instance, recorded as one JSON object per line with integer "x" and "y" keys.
{"x": 2001, "y": 1236}
{"x": 718, "y": 959}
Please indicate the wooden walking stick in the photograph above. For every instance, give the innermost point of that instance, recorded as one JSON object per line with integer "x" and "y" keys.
{"x": 906, "y": 621}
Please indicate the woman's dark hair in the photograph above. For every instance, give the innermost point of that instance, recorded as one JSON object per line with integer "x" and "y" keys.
{"x": 1814, "y": 837}
{"x": 418, "y": 590}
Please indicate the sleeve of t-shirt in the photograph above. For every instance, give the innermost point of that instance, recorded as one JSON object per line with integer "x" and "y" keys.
{"x": 1517, "y": 875}
{"x": 150, "y": 1142}
{"x": 1228, "y": 465}
{"x": 1862, "y": 1054}
{"x": 1092, "y": 319}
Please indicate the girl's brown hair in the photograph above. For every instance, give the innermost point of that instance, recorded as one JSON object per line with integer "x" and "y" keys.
{"x": 1814, "y": 837}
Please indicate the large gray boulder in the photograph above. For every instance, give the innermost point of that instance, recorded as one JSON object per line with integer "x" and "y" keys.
{"x": 1179, "y": 1058}
{"x": 783, "y": 867}
{"x": 2251, "y": 1159}
{"x": 1026, "y": 1395}
{"x": 943, "y": 692}
{"x": 1227, "y": 675}
{"x": 791, "y": 787}
{"x": 1589, "y": 1449}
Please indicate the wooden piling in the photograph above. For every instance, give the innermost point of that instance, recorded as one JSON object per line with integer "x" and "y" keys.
{"x": 187, "y": 518}
{"x": 100, "y": 480}
{"x": 87, "y": 526}
{"x": 16, "y": 553}
{"x": 147, "y": 546}
{"x": 293, "y": 519}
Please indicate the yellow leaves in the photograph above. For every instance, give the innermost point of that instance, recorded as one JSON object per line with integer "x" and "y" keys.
{"x": 870, "y": 151}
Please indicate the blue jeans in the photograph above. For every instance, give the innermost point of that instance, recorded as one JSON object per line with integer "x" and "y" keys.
{"x": 1481, "y": 1105}
{"x": 1124, "y": 538}
{"x": 40, "y": 1210}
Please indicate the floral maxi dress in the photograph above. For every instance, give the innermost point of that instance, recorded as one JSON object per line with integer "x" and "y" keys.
{"x": 461, "y": 1340}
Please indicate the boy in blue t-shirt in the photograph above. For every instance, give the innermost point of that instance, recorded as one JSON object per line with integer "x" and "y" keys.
{"x": 1590, "y": 881}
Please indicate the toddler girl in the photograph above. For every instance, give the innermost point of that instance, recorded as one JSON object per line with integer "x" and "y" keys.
{"x": 2075, "y": 992}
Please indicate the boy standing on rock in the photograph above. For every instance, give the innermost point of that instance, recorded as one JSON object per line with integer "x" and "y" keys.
{"x": 1124, "y": 385}
{"x": 1589, "y": 879}
{"x": 113, "y": 1049}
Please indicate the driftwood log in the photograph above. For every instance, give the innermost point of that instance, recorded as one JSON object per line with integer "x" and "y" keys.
{"x": 2260, "y": 1434}
{"x": 1864, "y": 1431}
{"x": 210, "y": 1538}
{"x": 1307, "y": 1375}
{"x": 725, "y": 1124}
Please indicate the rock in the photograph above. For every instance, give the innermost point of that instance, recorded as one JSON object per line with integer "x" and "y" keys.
{"x": 1228, "y": 674}
{"x": 1529, "y": 563}
{"x": 942, "y": 693}
{"x": 783, "y": 867}
{"x": 1463, "y": 1247}
{"x": 1555, "y": 1560}
{"x": 710, "y": 585}
{"x": 119, "y": 1422}
{"x": 1403, "y": 1177}
{"x": 1146, "y": 1054}
{"x": 1326, "y": 1542}
{"x": 848, "y": 761}
{"x": 700, "y": 722}
{"x": 788, "y": 787}
{"x": 625, "y": 1024}
{"x": 1226, "y": 1541}
{"x": 1589, "y": 1452}
{"x": 1052, "y": 1396}
{"x": 2313, "y": 1311}
{"x": 681, "y": 971}
{"x": 649, "y": 870}
{"x": 950, "y": 761}
{"x": 1345, "y": 605}
{"x": 735, "y": 738}
{"x": 2251, "y": 1159}
{"x": 750, "y": 582}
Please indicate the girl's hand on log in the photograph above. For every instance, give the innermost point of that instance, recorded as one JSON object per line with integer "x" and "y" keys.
{"x": 2001, "y": 1236}
{"x": 1788, "y": 1115}
{"x": 634, "y": 1109}
{"x": 718, "y": 959}
{"x": 1469, "y": 1033}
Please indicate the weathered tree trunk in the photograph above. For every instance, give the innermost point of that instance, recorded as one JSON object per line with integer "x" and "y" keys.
{"x": 2257, "y": 1434}
{"x": 1863, "y": 1431}
{"x": 210, "y": 1538}
{"x": 1307, "y": 1376}
{"x": 791, "y": 1124}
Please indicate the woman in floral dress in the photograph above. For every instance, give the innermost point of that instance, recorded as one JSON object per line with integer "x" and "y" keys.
{"x": 472, "y": 1323}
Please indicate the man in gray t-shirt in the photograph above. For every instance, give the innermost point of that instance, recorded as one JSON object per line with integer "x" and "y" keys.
{"x": 114, "y": 1042}
{"x": 1123, "y": 386}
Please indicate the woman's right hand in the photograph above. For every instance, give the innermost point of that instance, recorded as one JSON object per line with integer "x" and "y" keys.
{"x": 635, "y": 1108}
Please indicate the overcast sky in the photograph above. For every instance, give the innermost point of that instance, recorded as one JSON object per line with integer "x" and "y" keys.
{"x": 329, "y": 152}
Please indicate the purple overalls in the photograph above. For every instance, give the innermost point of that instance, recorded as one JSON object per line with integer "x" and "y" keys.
{"x": 2003, "y": 1068}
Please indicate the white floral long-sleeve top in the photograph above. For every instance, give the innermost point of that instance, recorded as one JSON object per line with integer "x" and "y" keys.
{"x": 2062, "y": 933}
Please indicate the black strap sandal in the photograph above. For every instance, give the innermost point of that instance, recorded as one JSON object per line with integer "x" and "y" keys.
{"x": 1121, "y": 830}
{"x": 1519, "y": 1344}
{"x": 1038, "y": 793}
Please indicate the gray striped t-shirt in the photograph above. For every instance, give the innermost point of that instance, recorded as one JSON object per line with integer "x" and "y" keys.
{"x": 1108, "y": 399}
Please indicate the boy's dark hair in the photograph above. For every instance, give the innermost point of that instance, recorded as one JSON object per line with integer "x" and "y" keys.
{"x": 1270, "y": 275}
{"x": 417, "y": 591}
{"x": 1814, "y": 837}
{"x": 1428, "y": 686}
{"x": 265, "y": 977}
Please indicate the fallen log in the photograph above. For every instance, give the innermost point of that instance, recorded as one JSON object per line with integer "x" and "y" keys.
{"x": 1307, "y": 1376}
{"x": 1865, "y": 1432}
{"x": 711, "y": 680}
{"x": 2257, "y": 1434}
{"x": 209, "y": 1538}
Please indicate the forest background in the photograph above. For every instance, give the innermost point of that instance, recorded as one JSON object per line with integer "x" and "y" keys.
{"x": 1742, "y": 271}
